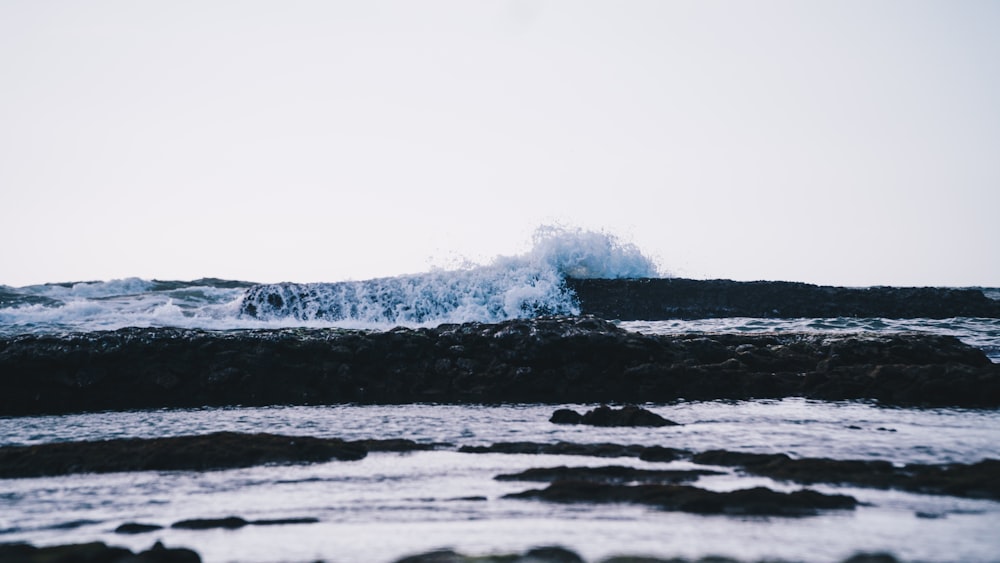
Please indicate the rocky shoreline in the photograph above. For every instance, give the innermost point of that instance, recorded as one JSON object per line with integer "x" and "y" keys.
{"x": 652, "y": 299}
{"x": 103, "y": 553}
{"x": 227, "y": 450}
{"x": 543, "y": 360}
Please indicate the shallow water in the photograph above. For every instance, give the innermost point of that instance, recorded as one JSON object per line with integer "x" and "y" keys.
{"x": 389, "y": 505}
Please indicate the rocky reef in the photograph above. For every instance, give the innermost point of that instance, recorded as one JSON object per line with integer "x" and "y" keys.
{"x": 96, "y": 552}
{"x": 758, "y": 501}
{"x": 543, "y": 360}
{"x": 678, "y": 298}
{"x": 629, "y": 415}
{"x": 219, "y": 450}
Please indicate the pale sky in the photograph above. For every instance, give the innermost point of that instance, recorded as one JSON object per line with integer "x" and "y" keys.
{"x": 834, "y": 142}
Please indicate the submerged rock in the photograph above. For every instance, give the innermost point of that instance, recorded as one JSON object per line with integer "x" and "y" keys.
{"x": 137, "y": 528}
{"x": 607, "y": 474}
{"x": 678, "y": 298}
{"x": 220, "y": 450}
{"x": 604, "y": 415}
{"x": 551, "y": 554}
{"x": 759, "y": 501}
{"x": 228, "y": 523}
{"x": 559, "y": 448}
{"x": 543, "y": 360}
{"x": 96, "y": 552}
{"x": 977, "y": 480}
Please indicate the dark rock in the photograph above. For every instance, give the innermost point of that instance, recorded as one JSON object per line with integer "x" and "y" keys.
{"x": 536, "y": 555}
{"x": 678, "y": 298}
{"x": 235, "y": 522}
{"x": 607, "y": 474}
{"x": 220, "y": 450}
{"x": 566, "y": 416}
{"x": 438, "y": 556}
{"x": 553, "y": 554}
{"x": 604, "y": 415}
{"x": 229, "y": 523}
{"x": 683, "y": 498}
{"x": 559, "y": 448}
{"x": 977, "y": 480}
{"x": 660, "y": 453}
{"x": 136, "y": 528}
{"x": 396, "y": 445}
{"x": 543, "y": 360}
{"x": 630, "y": 415}
{"x": 95, "y": 552}
{"x": 285, "y": 521}
{"x": 871, "y": 558}
{"x": 160, "y": 554}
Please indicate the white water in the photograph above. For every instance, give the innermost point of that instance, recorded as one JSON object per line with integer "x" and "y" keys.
{"x": 509, "y": 287}
{"x": 390, "y": 505}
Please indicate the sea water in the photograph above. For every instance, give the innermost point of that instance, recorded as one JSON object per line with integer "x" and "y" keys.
{"x": 389, "y": 505}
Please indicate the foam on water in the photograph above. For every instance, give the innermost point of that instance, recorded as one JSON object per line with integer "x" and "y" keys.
{"x": 526, "y": 285}
{"x": 522, "y": 286}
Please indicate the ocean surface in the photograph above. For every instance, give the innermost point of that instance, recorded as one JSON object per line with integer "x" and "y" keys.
{"x": 390, "y": 505}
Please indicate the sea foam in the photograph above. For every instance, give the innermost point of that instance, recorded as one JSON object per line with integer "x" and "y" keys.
{"x": 525, "y": 285}
{"x": 520, "y": 286}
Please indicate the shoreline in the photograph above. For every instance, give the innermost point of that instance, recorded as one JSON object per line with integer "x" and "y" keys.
{"x": 653, "y": 299}
{"x": 544, "y": 360}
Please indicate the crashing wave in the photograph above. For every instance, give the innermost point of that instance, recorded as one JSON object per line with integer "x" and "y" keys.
{"x": 522, "y": 286}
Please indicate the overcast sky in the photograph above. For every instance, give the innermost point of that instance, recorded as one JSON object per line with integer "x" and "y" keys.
{"x": 841, "y": 142}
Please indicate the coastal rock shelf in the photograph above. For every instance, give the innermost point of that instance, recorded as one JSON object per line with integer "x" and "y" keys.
{"x": 678, "y": 298}
{"x": 219, "y": 450}
{"x": 547, "y": 360}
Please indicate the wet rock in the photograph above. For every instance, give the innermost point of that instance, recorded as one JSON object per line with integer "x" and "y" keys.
{"x": 661, "y": 453}
{"x": 559, "y": 448}
{"x": 229, "y": 523}
{"x": 235, "y": 522}
{"x": 554, "y": 360}
{"x": 977, "y": 480}
{"x": 137, "y": 528}
{"x": 219, "y": 450}
{"x": 608, "y": 474}
{"x": 683, "y": 498}
{"x": 397, "y": 445}
{"x": 553, "y": 554}
{"x": 679, "y": 298}
{"x": 96, "y": 552}
{"x": 285, "y": 521}
{"x": 604, "y": 415}
{"x": 566, "y": 416}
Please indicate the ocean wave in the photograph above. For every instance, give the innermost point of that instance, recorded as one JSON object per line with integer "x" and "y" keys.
{"x": 522, "y": 286}
{"x": 525, "y": 285}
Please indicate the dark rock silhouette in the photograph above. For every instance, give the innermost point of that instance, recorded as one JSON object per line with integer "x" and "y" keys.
{"x": 604, "y": 415}
{"x": 559, "y": 448}
{"x": 977, "y": 480}
{"x": 544, "y": 360}
{"x": 137, "y": 528}
{"x": 607, "y": 474}
{"x": 679, "y": 298}
{"x": 759, "y": 501}
{"x": 220, "y": 450}
{"x": 95, "y": 552}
